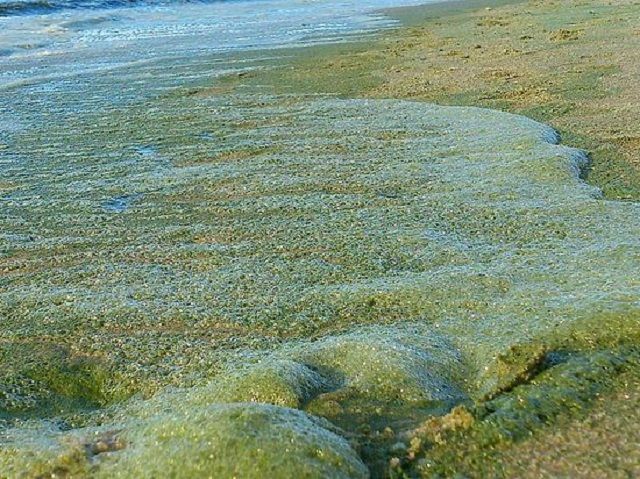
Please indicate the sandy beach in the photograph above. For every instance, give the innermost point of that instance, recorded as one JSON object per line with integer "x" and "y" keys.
{"x": 568, "y": 64}
{"x": 413, "y": 254}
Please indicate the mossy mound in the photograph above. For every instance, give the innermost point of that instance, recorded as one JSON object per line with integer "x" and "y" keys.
{"x": 235, "y": 440}
{"x": 221, "y": 440}
{"x": 385, "y": 368}
{"x": 41, "y": 379}
{"x": 404, "y": 364}
{"x": 273, "y": 381}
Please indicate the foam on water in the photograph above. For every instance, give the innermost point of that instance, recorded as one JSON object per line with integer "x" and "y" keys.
{"x": 44, "y": 47}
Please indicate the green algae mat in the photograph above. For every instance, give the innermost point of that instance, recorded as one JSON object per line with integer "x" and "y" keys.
{"x": 228, "y": 285}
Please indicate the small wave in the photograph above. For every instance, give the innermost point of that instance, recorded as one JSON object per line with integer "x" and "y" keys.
{"x": 36, "y": 7}
{"x": 87, "y": 22}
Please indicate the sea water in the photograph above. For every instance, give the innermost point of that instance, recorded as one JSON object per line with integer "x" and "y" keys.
{"x": 46, "y": 41}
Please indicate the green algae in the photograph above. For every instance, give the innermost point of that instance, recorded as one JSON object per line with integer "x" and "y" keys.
{"x": 224, "y": 440}
{"x": 566, "y": 386}
{"x": 37, "y": 450}
{"x": 48, "y": 380}
{"x": 235, "y": 440}
{"x": 384, "y": 263}
{"x": 283, "y": 383}
{"x": 375, "y": 263}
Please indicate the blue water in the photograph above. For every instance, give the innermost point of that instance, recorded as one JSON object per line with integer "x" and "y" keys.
{"x": 35, "y": 7}
{"x": 43, "y": 41}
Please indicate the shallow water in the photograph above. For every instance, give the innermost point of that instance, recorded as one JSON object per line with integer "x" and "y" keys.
{"x": 47, "y": 48}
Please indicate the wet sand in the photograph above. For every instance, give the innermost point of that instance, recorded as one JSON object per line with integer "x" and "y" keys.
{"x": 570, "y": 65}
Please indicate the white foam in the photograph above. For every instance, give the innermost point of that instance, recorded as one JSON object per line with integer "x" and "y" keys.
{"x": 62, "y": 43}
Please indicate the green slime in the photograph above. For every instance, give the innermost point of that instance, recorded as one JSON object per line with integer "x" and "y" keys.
{"x": 284, "y": 277}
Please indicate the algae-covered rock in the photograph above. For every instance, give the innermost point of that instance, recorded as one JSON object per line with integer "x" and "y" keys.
{"x": 40, "y": 379}
{"x": 372, "y": 368}
{"x": 234, "y": 440}
{"x": 185, "y": 441}
{"x": 510, "y": 368}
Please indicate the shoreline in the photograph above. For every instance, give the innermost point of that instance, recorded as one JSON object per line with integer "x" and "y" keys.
{"x": 577, "y": 97}
{"x": 381, "y": 287}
